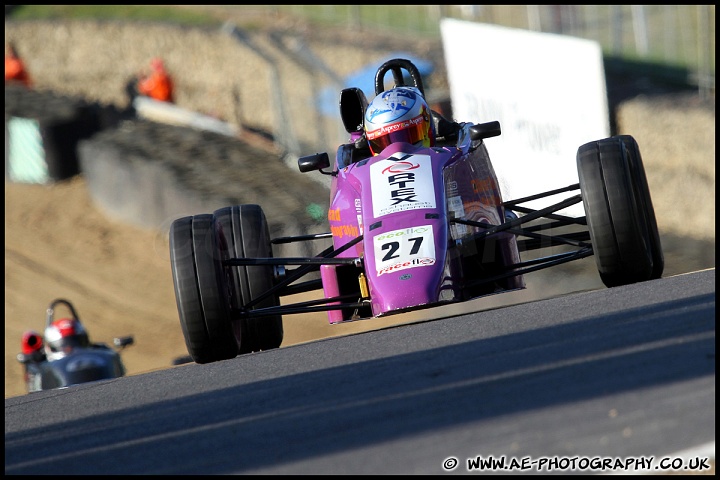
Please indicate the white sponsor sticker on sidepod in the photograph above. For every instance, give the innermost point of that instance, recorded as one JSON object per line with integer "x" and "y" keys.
{"x": 401, "y": 183}
{"x": 456, "y": 207}
{"x": 405, "y": 248}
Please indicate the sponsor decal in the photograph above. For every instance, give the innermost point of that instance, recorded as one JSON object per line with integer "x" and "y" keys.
{"x": 358, "y": 209}
{"x": 344, "y": 230}
{"x": 485, "y": 188}
{"x": 400, "y": 167}
{"x": 416, "y": 262}
{"x": 457, "y": 210}
{"x": 334, "y": 215}
{"x": 397, "y": 104}
{"x": 407, "y": 232}
{"x": 401, "y": 183}
{"x": 405, "y": 248}
{"x": 394, "y": 127}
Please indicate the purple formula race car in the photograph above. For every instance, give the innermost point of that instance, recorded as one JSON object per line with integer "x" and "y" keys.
{"x": 416, "y": 220}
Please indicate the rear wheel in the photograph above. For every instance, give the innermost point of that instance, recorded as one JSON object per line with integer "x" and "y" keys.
{"x": 201, "y": 290}
{"x": 619, "y": 212}
{"x": 247, "y": 235}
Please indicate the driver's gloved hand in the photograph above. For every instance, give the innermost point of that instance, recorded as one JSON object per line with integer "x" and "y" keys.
{"x": 361, "y": 143}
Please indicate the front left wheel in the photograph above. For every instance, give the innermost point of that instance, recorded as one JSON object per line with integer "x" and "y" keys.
{"x": 619, "y": 212}
{"x": 642, "y": 193}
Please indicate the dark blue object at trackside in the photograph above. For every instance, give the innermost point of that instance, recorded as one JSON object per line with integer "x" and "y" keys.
{"x": 81, "y": 366}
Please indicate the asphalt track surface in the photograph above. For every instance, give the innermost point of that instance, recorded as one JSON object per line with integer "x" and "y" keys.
{"x": 620, "y": 373}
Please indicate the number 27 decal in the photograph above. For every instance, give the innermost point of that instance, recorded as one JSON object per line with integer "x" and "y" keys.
{"x": 406, "y": 248}
{"x": 393, "y": 247}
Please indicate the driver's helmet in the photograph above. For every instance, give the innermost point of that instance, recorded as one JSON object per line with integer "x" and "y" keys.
{"x": 64, "y": 334}
{"x": 400, "y": 114}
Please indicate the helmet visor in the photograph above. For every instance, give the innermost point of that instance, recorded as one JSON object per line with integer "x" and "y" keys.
{"x": 409, "y": 131}
{"x": 69, "y": 342}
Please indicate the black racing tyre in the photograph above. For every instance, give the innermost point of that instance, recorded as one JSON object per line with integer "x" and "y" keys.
{"x": 642, "y": 192}
{"x": 201, "y": 290}
{"x": 617, "y": 212}
{"x": 246, "y": 232}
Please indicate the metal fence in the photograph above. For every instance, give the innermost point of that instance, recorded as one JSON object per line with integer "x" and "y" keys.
{"x": 675, "y": 35}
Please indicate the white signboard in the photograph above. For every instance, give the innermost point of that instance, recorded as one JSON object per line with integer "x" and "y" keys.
{"x": 546, "y": 90}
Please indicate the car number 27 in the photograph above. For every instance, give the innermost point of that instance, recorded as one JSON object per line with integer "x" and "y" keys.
{"x": 405, "y": 248}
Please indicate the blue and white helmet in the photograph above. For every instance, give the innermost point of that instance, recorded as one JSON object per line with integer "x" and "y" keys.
{"x": 398, "y": 115}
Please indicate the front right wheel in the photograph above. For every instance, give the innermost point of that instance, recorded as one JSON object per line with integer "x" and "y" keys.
{"x": 619, "y": 212}
{"x": 245, "y": 230}
{"x": 201, "y": 291}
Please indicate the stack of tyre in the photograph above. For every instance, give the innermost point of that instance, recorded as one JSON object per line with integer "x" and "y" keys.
{"x": 150, "y": 173}
{"x": 42, "y": 130}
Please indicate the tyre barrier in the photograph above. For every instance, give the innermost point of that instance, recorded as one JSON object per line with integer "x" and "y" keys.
{"x": 149, "y": 174}
{"x": 42, "y": 130}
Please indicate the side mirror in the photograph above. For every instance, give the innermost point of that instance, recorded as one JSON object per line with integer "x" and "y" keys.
{"x": 352, "y": 109}
{"x": 317, "y": 161}
{"x": 122, "y": 342}
{"x": 485, "y": 130}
